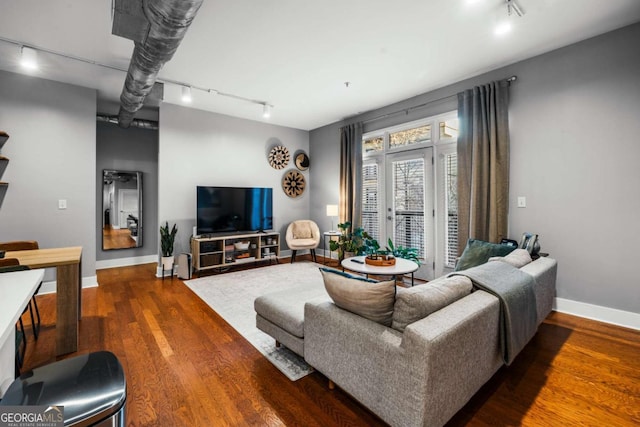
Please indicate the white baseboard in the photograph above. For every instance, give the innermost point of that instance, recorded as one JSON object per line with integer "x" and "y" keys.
{"x": 126, "y": 262}
{"x": 599, "y": 313}
{"x": 50, "y": 287}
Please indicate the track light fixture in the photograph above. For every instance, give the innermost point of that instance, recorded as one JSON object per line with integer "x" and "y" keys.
{"x": 186, "y": 94}
{"x": 28, "y": 58}
{"x": 266, "y": 110}
{"x": 513, "y": 7}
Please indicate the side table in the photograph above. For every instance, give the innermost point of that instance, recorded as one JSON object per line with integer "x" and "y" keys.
{"x": 328, "y": 236}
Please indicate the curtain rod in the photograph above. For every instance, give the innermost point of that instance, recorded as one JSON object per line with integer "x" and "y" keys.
{"x": 417, "y": 107}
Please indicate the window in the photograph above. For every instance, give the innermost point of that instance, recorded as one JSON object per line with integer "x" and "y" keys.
{"x": 370, "y": 203}
{"x": 451, "y": 208}
{"x": 407, "y": 196}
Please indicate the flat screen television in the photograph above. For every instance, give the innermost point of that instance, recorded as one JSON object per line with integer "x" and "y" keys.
{"x": 233, "y": 209}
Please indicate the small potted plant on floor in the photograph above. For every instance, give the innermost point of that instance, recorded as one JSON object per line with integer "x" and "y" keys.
{"x": 167, "y": 239}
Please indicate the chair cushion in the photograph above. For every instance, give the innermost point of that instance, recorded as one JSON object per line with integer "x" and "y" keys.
{"x": 413, "y": 304}
{"x": 367, "y": 298}
{"x": 301, "y": 230}
{"x": 478, "y": 252}
{"x": 302, "y": 244}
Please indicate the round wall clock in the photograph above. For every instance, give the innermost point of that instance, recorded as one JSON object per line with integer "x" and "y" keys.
{"x": 302, "y": 161}
{"x": 293, "y": 183}
{"x": 279, "y": 157}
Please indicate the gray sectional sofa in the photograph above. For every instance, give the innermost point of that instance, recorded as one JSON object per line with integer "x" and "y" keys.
{"x": 418, "y": 375}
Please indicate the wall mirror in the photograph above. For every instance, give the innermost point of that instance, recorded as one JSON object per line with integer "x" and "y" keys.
{"x": 121, "y": 209}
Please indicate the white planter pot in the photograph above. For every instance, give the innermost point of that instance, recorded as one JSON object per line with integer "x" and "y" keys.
{"x": 167, "y": 263}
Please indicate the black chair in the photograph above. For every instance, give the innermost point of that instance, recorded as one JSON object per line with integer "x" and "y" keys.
{"x": 26, "y": 245}
{"x": 8, "y": 265}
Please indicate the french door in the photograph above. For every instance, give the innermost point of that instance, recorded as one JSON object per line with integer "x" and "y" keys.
{"x": 409, "y": 194}
{"x": 408, "y": 205}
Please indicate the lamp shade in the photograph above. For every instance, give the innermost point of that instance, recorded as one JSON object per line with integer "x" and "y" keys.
{"x": 332, "y": 210}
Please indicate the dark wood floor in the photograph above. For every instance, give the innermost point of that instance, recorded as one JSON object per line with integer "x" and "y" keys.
{"x": 186, "y": 366}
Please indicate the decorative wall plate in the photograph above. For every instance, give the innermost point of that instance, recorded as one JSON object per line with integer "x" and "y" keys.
{"x": 302, "y": 161}
{"x": 279, "y": 157}
{"x": 293, "y": 183}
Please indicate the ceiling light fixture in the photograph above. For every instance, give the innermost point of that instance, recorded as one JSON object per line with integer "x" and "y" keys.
{"x": 28, "y": 58}
{"x": 513, "y": 7}
{"x": 504, "y": 25}
{"x": 266, "y": 110}
{"x": 186, "y": 94}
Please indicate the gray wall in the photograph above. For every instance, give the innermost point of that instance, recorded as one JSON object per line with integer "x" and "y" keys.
{"x": 574, "y": 155}
{"x": 132, "y": 149}
{"x": 52, "y": 155}
{"x": 203, "y": 148}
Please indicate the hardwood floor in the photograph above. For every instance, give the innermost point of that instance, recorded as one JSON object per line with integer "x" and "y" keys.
{"x": 186, "y": 366}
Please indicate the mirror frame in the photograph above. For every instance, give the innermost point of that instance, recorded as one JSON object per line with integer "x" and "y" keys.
{"x": 135, "y": 227}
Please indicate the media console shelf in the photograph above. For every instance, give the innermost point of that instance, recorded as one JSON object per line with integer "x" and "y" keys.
{"x": 226, "y": 251}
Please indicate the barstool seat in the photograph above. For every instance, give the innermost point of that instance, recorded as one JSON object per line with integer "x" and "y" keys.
{"x": 91, "y": 388}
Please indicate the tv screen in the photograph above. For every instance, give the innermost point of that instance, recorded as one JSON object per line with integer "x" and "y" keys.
{"x": 233, "y": 209}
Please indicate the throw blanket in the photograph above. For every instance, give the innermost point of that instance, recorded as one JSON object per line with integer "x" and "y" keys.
{"x": 514, "y": 289}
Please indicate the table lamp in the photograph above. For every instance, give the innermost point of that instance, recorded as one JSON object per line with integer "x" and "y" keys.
{"x": 332, "y": 211}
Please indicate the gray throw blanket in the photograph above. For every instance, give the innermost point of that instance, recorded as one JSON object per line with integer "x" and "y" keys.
{"x": 514, "y": 289}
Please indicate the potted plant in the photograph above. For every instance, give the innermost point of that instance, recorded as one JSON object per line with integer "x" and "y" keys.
{"x": 402, "y": 252}
{"x": 351, "y": 242}
{"x": 167, "y": 238}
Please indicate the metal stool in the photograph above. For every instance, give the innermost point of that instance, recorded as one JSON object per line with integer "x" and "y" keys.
{"x": 91, "y": 388}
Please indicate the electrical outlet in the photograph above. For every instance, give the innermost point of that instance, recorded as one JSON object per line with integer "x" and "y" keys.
{"x": 62, "y": 204}
{"x": 522, "y": 202}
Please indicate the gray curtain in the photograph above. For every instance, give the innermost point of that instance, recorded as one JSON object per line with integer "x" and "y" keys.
{"x": 483, "y": 163}
{"x": 351, "y": 174}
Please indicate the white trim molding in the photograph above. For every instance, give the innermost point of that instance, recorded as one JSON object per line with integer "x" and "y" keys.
{"x": 50, "y": 287}
{"x": 614, "y": 316}
{"x": 126, "y": 262}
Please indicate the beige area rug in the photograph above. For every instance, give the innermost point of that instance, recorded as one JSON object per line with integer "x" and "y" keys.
{"x": 231, "y": 295}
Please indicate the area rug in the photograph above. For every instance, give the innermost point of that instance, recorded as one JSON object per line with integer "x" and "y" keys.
{"x": 231, "y": 295}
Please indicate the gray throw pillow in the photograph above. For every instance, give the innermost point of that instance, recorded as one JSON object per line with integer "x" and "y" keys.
{"x": 478, "y": 252}
{"x": 413, "y": 304}
{"x": 369, "y": 299}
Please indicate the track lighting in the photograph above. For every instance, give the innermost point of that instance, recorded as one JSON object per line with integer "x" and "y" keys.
{"x": 28, "y": 58}
{"x": 266, "y": 111}
{"x": 513, "y": 7}
{"x": 186, "y": 94}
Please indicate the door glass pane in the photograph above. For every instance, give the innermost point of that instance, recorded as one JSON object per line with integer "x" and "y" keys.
{"x": 448, "y": 128}
{"x": 451, "y": 208}
{"x": 408, "y": 201}
{"x": 370, "y": 200}
{"x": 410, "y": 136}
{"x": 372, "y": 144}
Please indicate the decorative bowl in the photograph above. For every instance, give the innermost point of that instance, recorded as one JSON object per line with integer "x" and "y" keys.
{"x": 241, "y": 246}
{"x": 380, "y": 260}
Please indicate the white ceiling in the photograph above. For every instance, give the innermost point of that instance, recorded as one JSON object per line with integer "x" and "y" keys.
{"x": 297, "y": 55}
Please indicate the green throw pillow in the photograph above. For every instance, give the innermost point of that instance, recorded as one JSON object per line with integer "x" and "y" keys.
{"x": 478, "y": 252}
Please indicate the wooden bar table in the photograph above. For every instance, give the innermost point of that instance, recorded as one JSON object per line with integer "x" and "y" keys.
{"x": 68, "y": 264}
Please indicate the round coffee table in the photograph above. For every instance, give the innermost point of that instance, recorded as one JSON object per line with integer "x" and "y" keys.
{"x": 402, "y": 266}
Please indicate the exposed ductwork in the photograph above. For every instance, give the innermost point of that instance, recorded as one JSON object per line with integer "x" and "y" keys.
{"x": 137, "y": 123}
{"x": 167, "y": 22}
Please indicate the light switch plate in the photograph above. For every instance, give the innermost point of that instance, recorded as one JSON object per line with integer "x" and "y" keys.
{"x": 522, "y": 202}
{"x": 62, "y": 204}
